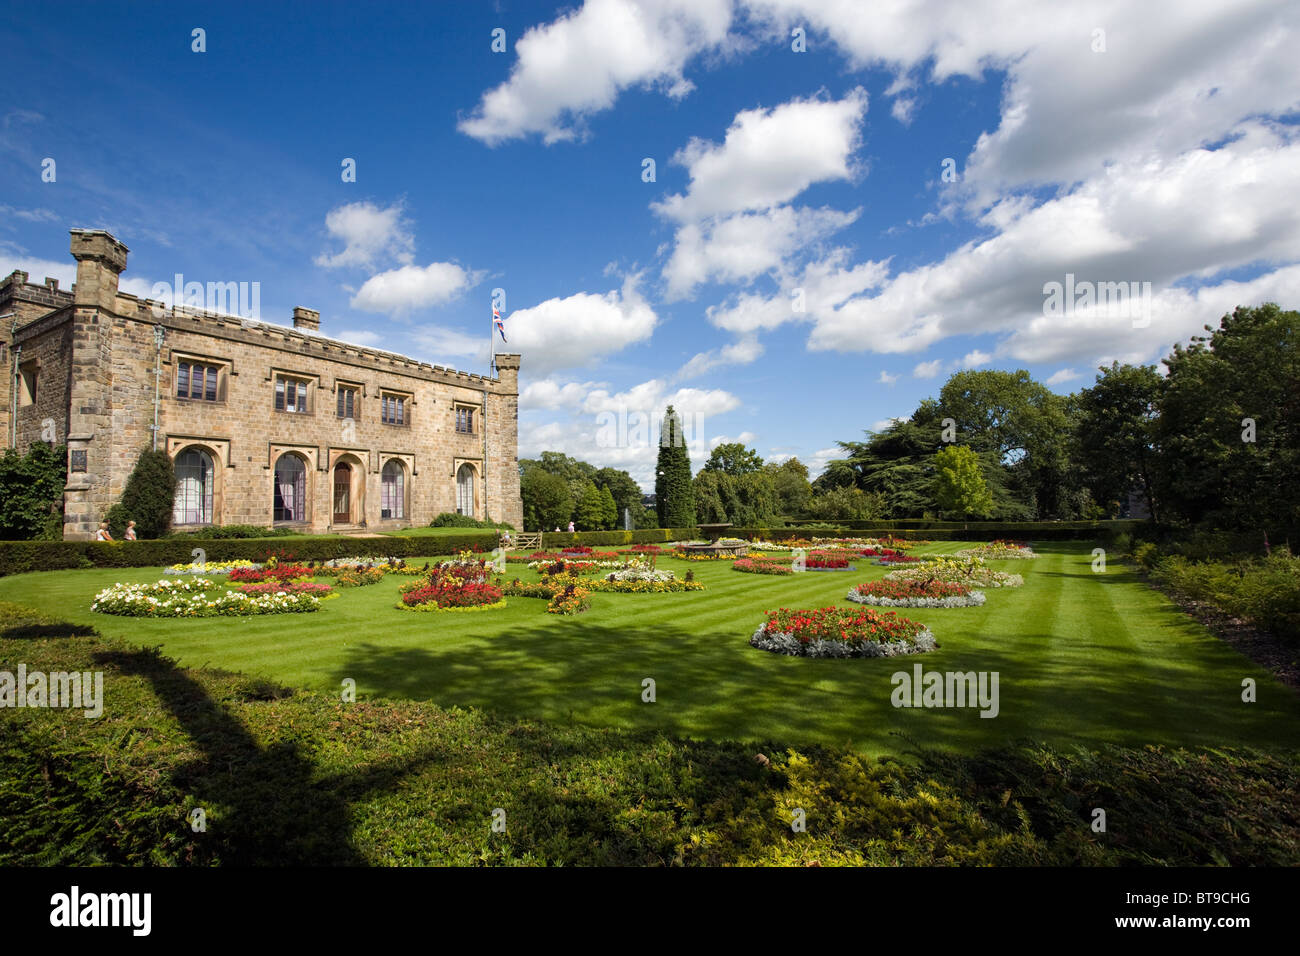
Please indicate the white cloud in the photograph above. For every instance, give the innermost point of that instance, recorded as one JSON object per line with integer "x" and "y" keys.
{"x": 973, "y": 359}
{"x": 740, "y": 247}
{"x": 927, "y": 369}
{"x": 578, "y": 65}
{"x": 742, "y": 352}
{"x": 580, "y": 329}
{"x": 817, "y": 460}
{"x": 744, "y": 438}
{"x": 617, "y": 429}
{"x": 768, "y": 157}
{"x": 440, "y": 342}
{"x": 405, "y": 289}
{"x": 886, "y": 378}
{"x": 1062, "y": 376}
{"x": 371, "y": 236}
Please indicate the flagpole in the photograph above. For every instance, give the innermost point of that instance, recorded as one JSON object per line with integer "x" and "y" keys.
{"x": 492, "y": 334}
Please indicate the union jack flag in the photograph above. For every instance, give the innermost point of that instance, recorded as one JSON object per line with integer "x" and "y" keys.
{"x": 496, "y": 320}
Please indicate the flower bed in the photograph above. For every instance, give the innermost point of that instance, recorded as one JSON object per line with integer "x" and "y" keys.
{"x": 916, "y": 594}
{"x": 564, "y": 566}
{"x": 970, "y": 572}
{"x": 826, "y": 561}
{"x": 570, "y": 599}
{"x": 195, "y": 598}
{"x": 841, "y": 632}
{"x": 761, "y": 566}
{"x": 642, "y": 549}
{"x": 286, "y": 587}
{"x": 270, "y": 572}
{"x": 210, "y": 567}
{"x": 453, "y": 585}
{"x": 999, "y": 551}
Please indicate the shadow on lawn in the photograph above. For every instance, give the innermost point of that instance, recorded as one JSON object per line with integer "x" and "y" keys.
{"x": 587, "y": 673}
{"x": 274, "y": 809}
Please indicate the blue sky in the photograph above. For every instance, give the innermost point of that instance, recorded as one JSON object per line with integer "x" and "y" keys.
{"x": 1161, "y": 149}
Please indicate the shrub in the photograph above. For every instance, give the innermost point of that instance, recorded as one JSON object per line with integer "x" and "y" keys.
{"x": 1266, "y": 592}
{"x": 149, "y": 493}
{"x": 1146, "y": 555}
{"x": 31, "y": 492}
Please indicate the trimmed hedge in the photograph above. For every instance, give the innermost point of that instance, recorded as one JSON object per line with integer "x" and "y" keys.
{"x": 992, "y": 528}
{"x": 955, "y": 531}
{"x": 558, "y": 539}
{"x": 17, "y": 557}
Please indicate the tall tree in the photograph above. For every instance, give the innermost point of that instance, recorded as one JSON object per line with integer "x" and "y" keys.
{"x": 959, "y": 486}
{"x": 1229, "y": 425}
{"x": 626, "y": 492}
{"x": 733, "y": 458}
{"x": 674, "y": 499}
{"x": 793, "y": 490}
{"x": 608, "y": 509}
{"x": 149, "y": 494}
{"x": 1115, "y": 434}
{"x": 548, "y": 502}
{"x": 31, "y": 492}
{"x": 590, "y": 513}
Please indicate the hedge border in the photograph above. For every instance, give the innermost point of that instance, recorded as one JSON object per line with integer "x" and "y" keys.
{"x": 18, "y": 557}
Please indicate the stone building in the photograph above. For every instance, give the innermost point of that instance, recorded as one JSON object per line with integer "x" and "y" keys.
{"x": 266, "y": 424}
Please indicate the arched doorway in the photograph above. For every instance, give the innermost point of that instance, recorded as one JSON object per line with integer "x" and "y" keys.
{"x": 465, "y": 490}
{"x": 393, "y": 490}
{"x": 289, "y": 489}
{"x": 343, "y": 493}
{"x": 194, "y": 487}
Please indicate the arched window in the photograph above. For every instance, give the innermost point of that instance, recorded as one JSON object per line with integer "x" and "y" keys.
{"x": 194, "y": 473}
{"x": 290, "y": 494}
{"x": 393, "y": 490}
{"x": 465, "y": 491}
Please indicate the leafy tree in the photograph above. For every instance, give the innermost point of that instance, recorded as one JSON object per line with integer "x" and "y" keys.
{"x": 31, "y": 492}
{"x": 733, "y": 458}
{"x": 959, "y": 486}
{"x": 590, "y": 515}
{"x": 608, "y": 510}
{"x": 548, "y": 503}
{"x": 847, "y": 504}
{"x": 1210, "y": 471}
{"x": 626, "y": 492}
{"x": 674, "y": 498}
{"x": 1115, "y": 434}
{"x": 149, "y": 494}
{"x": 793, "y": 490}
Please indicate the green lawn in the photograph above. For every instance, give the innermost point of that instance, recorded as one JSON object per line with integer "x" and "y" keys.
{"x": 1082, "y": 658}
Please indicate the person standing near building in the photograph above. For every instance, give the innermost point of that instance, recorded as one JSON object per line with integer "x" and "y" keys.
{"x": 102, "y": 534}
{"x": 570, "y": 527}
{"x": 130, "y": 531}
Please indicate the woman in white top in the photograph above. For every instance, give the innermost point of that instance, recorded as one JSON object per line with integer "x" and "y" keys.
{"x": 130, "y": 531}
{"x": 102, "y": 534}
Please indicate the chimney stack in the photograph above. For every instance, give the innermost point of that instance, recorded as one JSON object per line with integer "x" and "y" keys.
{"x": 307, "y": 319}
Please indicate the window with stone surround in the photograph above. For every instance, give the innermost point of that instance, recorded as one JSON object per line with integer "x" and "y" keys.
{"x": 393, "y": 490}
{"x": 394, "y": 408}
{"x": 291, "y": 394}
{"x": 348, "y": 401}
{"x": 27, "y": 386}
{"x": 465, "y": 419}
{"x": 198, "y": 380}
